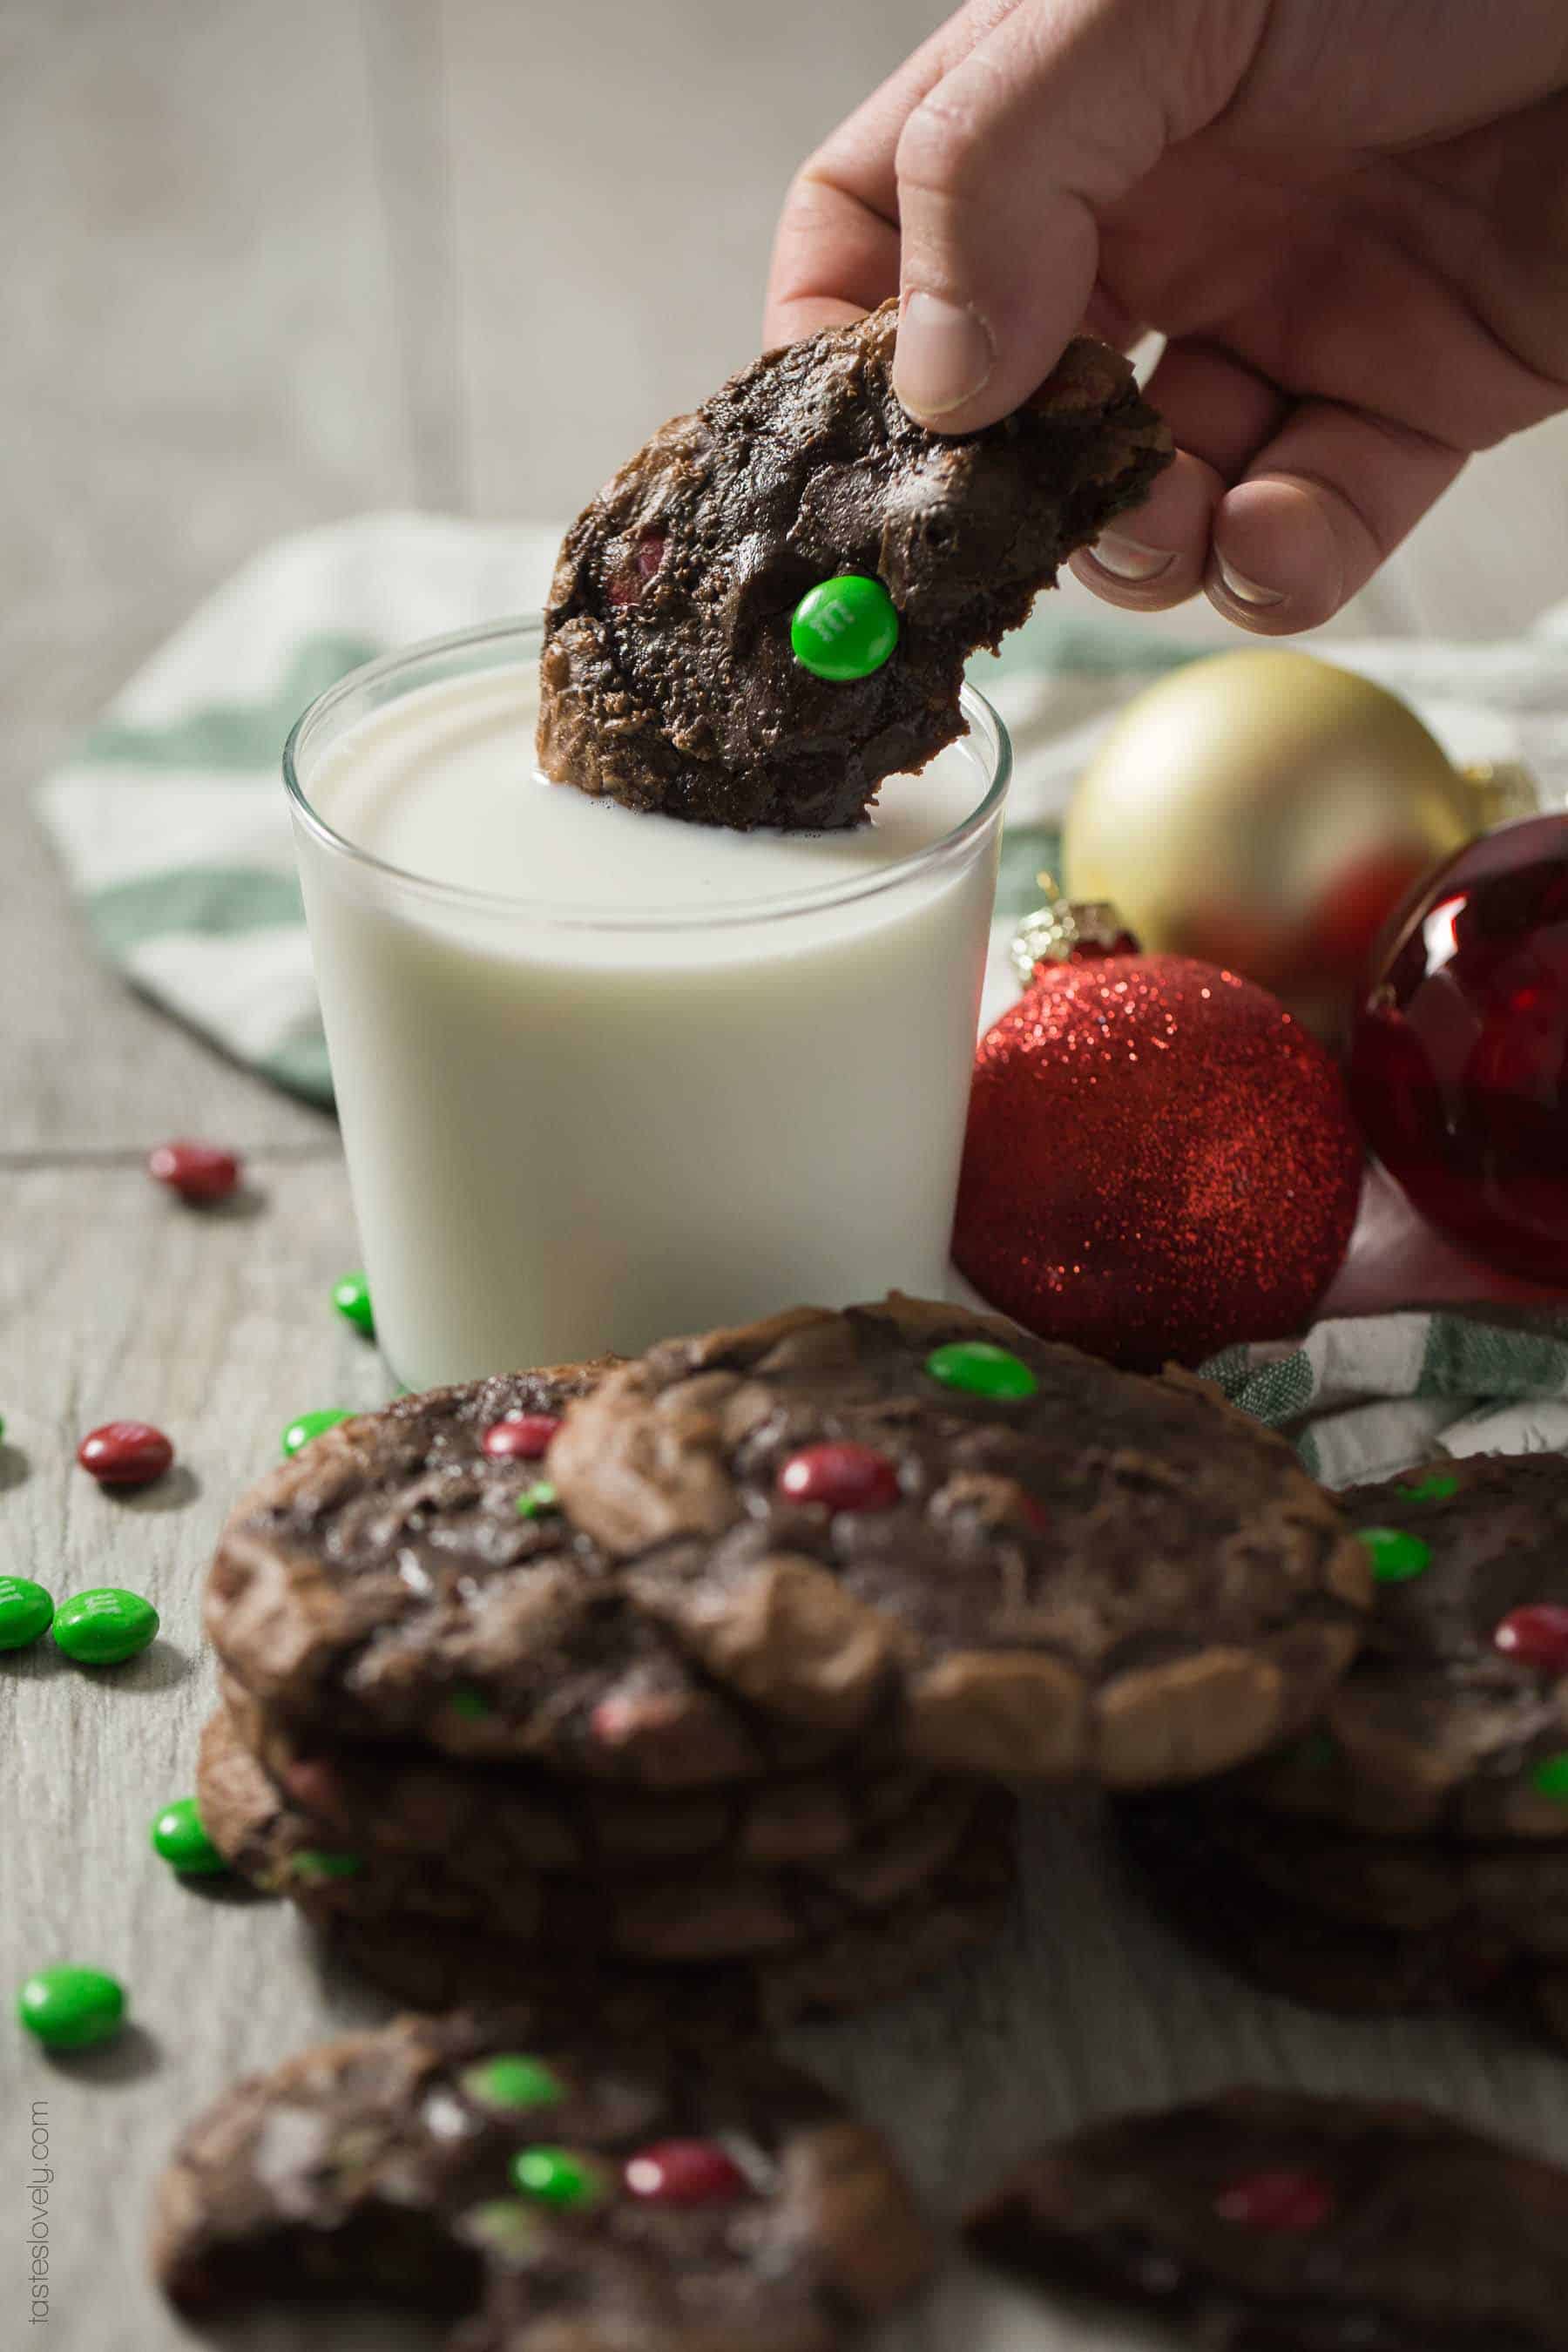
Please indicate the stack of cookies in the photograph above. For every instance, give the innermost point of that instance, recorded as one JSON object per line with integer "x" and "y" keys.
{"x": 716, "y": 1665}
{"x": 1412, "y": 1850}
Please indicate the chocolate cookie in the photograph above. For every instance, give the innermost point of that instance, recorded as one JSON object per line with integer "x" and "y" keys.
{"x": 677, "y": 2194}
{"x": 668, "y": 677}
{"x": 1333, "y": 1957}
{"x": 430, "y": 1963}
{"x": 1515, "y": 1892}
{"x": 1278, "y": 2221}
{"x": 914, "y": 1525}
{"x": 408, "y": 1800}
{"x": 714, "y": 1909}
{"x": 385, "y": 1584}
{"x": 1455, "y": 1712}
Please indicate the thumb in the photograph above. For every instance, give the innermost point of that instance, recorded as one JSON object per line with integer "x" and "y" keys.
{"x": 1005, "y": 166}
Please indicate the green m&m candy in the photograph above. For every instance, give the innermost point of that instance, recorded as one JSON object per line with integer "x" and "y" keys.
{"x": 1440, "y": 1487}
{"x": 513, "y": 2081}
{"x": 71, "y": 2009}
{"x": 559, "y": 2177}
{"x": 26, "y": 1609}
{"x": 310, "y": 1425}
{"x": 315, "y": 1867}
{"x": 1550, "y": 1776}
{"x": 539, "y": 1499}
{"x": 178, "y": 1838}
{"x": 1395, "y": 1557}
{"x": 980, "y": 1367}
{"x": 843, "y": 628}
{"x": 350, "y": 1297}
{"x": 106, "y": 1626}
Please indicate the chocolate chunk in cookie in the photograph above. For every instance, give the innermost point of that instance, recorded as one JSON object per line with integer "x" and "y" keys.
{"x": 676, "y": 2193}
{"x": 669, "y": 677}
{"x": 914, "y": 1525}
{"x": 1278, "y": 2221}
{"x": 1455, "y": 1712}
{"x": 387, "y": 1584}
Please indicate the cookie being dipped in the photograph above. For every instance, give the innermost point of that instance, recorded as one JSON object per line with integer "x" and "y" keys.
{"x": 768, "y": 610}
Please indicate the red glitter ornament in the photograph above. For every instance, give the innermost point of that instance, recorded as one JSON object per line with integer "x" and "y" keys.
{"x": 1277, "y": 2200}
{"x": 846, "y": 1477}
{"x": 1458, "y": 1062}
{"x": 1159, "y": 1161}
{"x": 1536, "y": 1635}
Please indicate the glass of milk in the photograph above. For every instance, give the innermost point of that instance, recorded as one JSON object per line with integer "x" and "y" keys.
{"x": 605, "y": 1078}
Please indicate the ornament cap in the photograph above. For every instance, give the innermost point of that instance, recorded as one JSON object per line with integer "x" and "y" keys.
{"x": 1065, "y": 930}
{"x": 1502, "y": 790}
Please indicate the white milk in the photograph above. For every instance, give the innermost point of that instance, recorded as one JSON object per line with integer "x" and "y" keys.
{"x": 643, "y": 1085}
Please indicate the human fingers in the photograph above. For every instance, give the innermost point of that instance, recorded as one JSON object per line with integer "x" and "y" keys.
{"x": 1157, "y": 555}
{"x": 971, "y": 179}
{"x": 1319, "y": 507}
{"x": 836, "y": 248}
{"x": 1220, "y": 413}
{"x": 833, "y": 260}
{"x": 1002, "y": 168}
{"x": 1217, "y": 407}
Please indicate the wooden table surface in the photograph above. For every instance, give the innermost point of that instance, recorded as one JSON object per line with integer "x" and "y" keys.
{"x": 269, "y": 262}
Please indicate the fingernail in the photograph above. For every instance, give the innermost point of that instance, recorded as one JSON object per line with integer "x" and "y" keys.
{"x": 1129, "y": 559}
{"x": 1246, "y": 592}
{"x": 943, "y": 356}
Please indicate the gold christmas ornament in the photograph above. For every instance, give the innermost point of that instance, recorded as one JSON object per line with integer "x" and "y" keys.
{"x": 1266, "y": 810}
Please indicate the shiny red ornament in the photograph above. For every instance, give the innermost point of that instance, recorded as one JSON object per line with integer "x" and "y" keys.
{"x": 1277, "y": 2200}
{"x": 686, "y": 2172}
{"x": 1458, "y": 1064}
{"x": 1536, "y": 1635}
{"x": 125, "y": 1454}
{"x": 846, "y": 1477}
{"x": 200, "y": 1174}
{"x": 521, "y": 1436}
{"x": 1159, "y": 1161}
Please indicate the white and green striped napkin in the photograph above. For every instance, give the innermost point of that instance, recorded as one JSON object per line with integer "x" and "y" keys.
{"x": 170, "y": 823}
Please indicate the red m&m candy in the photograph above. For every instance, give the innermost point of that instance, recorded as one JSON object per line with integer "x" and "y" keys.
{"x": 846, "y": 1477}
{"x": 1277, "y": 2200}
{"x": 521, "y": 1437}
{"x": 686, "y": 2172}
{"x": 125, "y": 1454}
{"x": 199, "y": 1172}
{"x": 1536, "y": 1635}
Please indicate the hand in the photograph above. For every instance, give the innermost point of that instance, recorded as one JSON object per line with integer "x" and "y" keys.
{"x": 1348, "y": 217}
